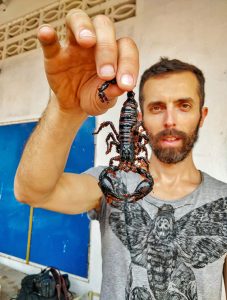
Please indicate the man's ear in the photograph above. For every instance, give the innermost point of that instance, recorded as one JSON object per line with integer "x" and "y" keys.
{"x": 203, "y": 116}
{"x": 140, "y": 116}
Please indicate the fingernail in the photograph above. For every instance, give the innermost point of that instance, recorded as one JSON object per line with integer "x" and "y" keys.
{"x": 107, "y": 70}
{"x": 85, "y": 33}
{"x": 45, "y": 28}
{"x": 127, "y": 79}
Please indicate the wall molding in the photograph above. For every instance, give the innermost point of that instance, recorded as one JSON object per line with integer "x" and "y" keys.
{"x": 19, "y": 36}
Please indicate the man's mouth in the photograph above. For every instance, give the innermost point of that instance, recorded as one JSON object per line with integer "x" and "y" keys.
{"x": 170, "y": 140}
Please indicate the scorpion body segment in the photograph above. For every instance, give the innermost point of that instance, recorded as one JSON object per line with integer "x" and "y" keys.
{"x": 130, "y": 142}
{"x": 128, "y": 119}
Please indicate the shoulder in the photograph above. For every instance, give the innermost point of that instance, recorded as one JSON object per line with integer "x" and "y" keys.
{"x": 212, "y": 180}
{"x": 214, "y": 184}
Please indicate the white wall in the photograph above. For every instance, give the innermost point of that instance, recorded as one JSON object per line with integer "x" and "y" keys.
{"x": 194, "y": 31}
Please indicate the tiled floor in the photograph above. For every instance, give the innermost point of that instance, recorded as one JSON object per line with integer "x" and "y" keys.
{"x": 10, "y": 282}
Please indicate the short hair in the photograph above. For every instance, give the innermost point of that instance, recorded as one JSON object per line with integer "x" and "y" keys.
{"x": 165, "y": 66}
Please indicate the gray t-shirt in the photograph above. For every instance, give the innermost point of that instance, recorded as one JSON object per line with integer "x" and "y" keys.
{"x": 164, "y": 250}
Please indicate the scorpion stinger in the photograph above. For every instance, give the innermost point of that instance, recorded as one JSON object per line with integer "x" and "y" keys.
{"x": 104, "y": 86}
{"x": 130, "y": 142}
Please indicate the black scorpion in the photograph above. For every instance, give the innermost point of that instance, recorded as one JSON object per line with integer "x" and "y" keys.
{"x": 130, "y": 142}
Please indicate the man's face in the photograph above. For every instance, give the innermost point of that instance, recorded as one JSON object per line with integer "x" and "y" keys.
{"x": 172, "y": 115}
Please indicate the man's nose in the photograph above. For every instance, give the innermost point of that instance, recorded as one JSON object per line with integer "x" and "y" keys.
{"x": 169, "y": 119}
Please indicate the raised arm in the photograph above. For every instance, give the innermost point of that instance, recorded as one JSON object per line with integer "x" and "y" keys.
{"x": 90, "y": 56}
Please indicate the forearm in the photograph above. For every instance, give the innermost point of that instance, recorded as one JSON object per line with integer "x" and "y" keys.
{"x": 46, "y": 153}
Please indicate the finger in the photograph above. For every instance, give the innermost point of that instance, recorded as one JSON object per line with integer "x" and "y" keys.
{"x": 80, "y": 29}
{"x": 106, "y": 47}
{"x": 48, "y": 39}
{"x": 128, "y": 64}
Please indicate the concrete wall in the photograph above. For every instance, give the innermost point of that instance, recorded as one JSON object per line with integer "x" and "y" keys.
{"x": 194, "y": 31}
{"x": 24, "y": 91}
{"x": 19, "y": 8}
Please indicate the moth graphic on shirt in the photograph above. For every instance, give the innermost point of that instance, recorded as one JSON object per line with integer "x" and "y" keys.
{"x": 170, "y": 248}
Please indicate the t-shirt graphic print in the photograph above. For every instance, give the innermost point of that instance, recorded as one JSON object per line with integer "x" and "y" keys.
{"x": 170, "y": 249}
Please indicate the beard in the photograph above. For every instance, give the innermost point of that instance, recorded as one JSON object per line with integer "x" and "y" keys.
{"x": 173, "y": 155}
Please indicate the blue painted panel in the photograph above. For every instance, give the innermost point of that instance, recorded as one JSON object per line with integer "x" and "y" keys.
{"x": 62, "y": 240}
{"x": 57, "y": 239}
{"x": 14, "y": 215}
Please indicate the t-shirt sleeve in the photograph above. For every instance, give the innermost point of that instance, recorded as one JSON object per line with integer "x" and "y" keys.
{"x": 94, "y": 214}
{"x": 94, "y": 171}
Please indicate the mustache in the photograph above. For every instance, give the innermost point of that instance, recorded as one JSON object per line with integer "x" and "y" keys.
{"x": 173, "y": 132}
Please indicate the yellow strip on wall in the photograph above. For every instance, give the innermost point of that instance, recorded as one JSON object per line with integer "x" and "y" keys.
{"x": 29, "y": 235}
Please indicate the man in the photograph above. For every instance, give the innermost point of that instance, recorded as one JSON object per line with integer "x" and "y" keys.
{"x": 174, "y": 242}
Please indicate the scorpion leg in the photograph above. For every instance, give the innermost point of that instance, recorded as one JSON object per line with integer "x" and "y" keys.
{"x": 115, "y": 158}
{"x": 144, "y": 137}
{"x": 111, "y": 143}
{"x": 141, "y": 133}
{"x": 137, "y": 126}
{"x": 144, "y": 149}
{"x": 141, "y": 148}
{"x": 145, "y": 162}
{"x": 105, "y": 124}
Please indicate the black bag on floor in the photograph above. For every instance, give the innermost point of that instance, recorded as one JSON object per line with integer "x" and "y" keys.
{"x": 49, "y": 284}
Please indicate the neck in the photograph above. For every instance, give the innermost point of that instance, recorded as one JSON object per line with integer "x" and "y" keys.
{"x": 174, "y": 173}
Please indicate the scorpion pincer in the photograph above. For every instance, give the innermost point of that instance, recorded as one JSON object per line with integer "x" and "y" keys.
{"x": 130, "y": 142}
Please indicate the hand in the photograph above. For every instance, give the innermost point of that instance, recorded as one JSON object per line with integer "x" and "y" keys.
{"x": 90, "y": 56}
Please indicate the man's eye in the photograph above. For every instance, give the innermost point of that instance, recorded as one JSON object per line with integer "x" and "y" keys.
{"x": 185, "y": 106}
{"x": 156, "y": 109}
